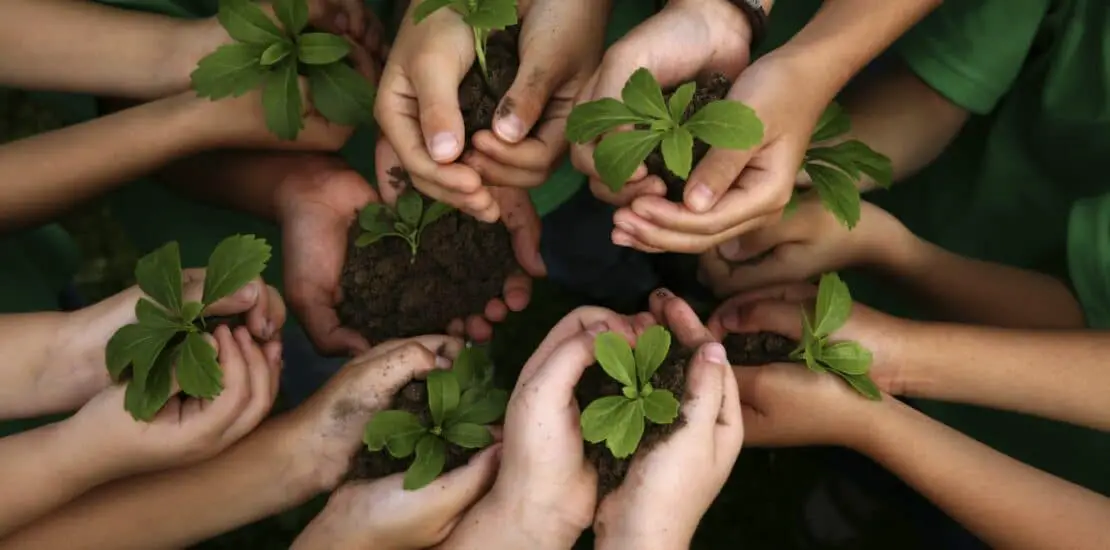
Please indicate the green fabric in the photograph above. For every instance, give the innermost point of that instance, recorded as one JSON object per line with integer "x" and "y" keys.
{"x": 1089, "y": 258}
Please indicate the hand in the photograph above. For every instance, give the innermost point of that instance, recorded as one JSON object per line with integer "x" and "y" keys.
{"x": 380, "y": 514}
{"x": 804, "y": 244}
{"x": 778, "y": 309}
{"x": 686, "y": 39}
{"x": 690, "y": 467}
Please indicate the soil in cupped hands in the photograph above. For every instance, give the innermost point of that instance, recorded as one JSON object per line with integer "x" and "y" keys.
{"x": 762, "y": 348}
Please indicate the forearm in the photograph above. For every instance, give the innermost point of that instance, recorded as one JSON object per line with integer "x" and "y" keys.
{"x": 254, "y": 479}
{"x": 1005, "y": 503}
{"x": 69, "y": 46}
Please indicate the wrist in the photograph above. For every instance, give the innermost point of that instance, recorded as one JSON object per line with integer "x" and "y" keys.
{"x": 615, "y": 536}
{"x": 191, "y": 41}
{"x": 524, "y": 524}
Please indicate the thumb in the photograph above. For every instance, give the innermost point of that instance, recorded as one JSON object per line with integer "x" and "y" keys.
{"x": 526, "y": 99}
{"x": 712, "y": 176}
{"x": 705, "y": 386}
{"x": 248, "y": 296}
{"x": 462, "y": 487}
{"x": 437, "y": 93}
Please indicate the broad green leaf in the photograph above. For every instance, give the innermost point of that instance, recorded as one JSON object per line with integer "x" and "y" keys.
{"x": 159, "y": 276}
{"x": 468, "y": 436}
{"x": 599, "y": 417}
{"x": 680, "y": 100}
{"x": 144, "y": 399}
{"x": 472, "y": 367}
{"x": 230, "y": 71}
{"x": 293, "y": 15}
{"x": 643, "y": 95}
{"x": 234, "y": 263}
{"x": 410, "y": 207}
{"x": 376, "y": 218}
{"x": 198, "y": 373}
{"x": 281, "y": 100}
{"x": 435, "y": 211}
{"x": 402, "y": 228}
{"x": 847, "y": 357}
{"x": 386, "y": 424}
{"x": 618, "y": 155}
{"x": 341, "y": 94}
{"x": 589, "y": 120}
{"x": 627, "y": 430}
{"x": 246, "y": 22}
{"x": 726, "y": 124}
{"x": 678, "y": 151}
{"x": 615, "y": 356}
{"x": 190, "y": 311}
{"x": 443, "y": 395}
{"x": 834, "y": 305}
{"x": 492, "y": 15}
{"x": 863, "y": 384}
{"x": 835, "y": 157}
{"x": 152, "y": 316}
{"x": 402, "y": 445}
{"x": 427, "y": 7}
{"x": 661, "y": 407}
{"x": 833, "y": 122}
{"x": 366, "y": 239}
{"x": 837, "y": 191}
{"x": 321, "y": 48}
{"x": 652, "y": 348}
{"x": 131, "y": 341}
{"x": 276, "y": 52}
{"x": 488, "y": 408}
{"x": 867, "y": 160}
{"x": 431, "y": 454}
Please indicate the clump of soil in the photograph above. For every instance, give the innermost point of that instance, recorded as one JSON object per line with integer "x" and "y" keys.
{"x": 752, "y": 350}
{"x": 595, "y": 383}
{"x": 412, "y": 398}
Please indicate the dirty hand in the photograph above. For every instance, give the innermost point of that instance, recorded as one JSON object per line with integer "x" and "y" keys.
{"x": 778, "y": 309}
{"x": 561, "y": 42}
{"x": 381, "y": 514}
{"x": 689, "y": 467}
{"x": 686, "y": 39}
{"x": 804, "y": 244}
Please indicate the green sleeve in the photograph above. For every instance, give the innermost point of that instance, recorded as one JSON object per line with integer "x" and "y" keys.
{"x": 1089, "y": 258}
{"x": 972, "y": 52}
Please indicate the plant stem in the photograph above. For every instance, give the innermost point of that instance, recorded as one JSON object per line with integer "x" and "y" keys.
{"x": 480, "y": 36}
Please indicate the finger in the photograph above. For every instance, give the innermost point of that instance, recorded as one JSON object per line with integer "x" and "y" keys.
{"x": 795, "y": 293}
{"x": 277, "y": 312}
{"x": 496, "y": 173}
{"x": 457, "y": 328}
{"x": 517, "y": 292}
{"x": 258, "y": 316}
{"x": 237, "y": 390}
{"x": 457, "y": 490}
{"x": 480, "y": 203}
{"x": 651, "y": 234}
{"x": 442, "y": 346}
{"x": 646, "y": 186}
{"x": 496, "y": 311}
{"x": 779, "y": 317}
{"x": 536, "y": 154}
{"x": 552, "y": 384}
{"x": 259, "y": 371}
{"x": 387, "y": 166}
{"x": 730, "y": 420}
{"x": 273, "y": 351}
{"x": 677, "y": 315}
{"x": 478, "y": 328}
{"x": 622, "y": 238}
{"x": 712, "y": 176}
{"x": 642, "y": 321}
{"x": 705, "y": 386}
{"x": 241, "y": 301}
{"x": 436, "y": 82}
{"x": 356, "y": 17}
{"x": 520, "y": 218}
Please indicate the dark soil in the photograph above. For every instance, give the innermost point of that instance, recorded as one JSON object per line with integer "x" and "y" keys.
{"x": 479, "y": 99}
{"x": 372, "y": 465}
{"x": 595, "y": 383}
{"x": 752, "y": 350}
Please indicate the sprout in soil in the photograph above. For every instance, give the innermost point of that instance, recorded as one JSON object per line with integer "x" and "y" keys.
{"x": 405, "y": 221}
{"x": 483, "y": 17}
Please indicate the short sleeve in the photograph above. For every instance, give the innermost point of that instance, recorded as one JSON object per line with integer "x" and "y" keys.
{"x": 1089, "y": 258}
{"x": 972, "y": 52}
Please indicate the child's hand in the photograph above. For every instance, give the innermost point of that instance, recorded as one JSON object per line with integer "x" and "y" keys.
{"x": 805, "y": 243}
{"x": 186, "y": 430}
{"x": 690, "y": 467}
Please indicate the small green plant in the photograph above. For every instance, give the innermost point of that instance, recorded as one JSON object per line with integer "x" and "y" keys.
{"x": 846, "y": 359}
{"x": 167, "y": 342}
{"x": 264, "y": 55}
{"x": 726, "y": 124}
{"x": 483, "y": 16}
{"x": 461, "y": 401}
{"x": 407, "y": 220}
{"x": 619, "y": 419}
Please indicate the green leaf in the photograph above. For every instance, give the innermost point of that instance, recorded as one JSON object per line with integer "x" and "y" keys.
{"x": 293, "y": 15}
{"x": 153, "y": 316}
{"x": 190, "y": 311}
{"x": 589, "y": 120}
{"x": 680, "y": 100}
{"x": 812, "y": 357}
{"x": 726, "y": 124}
{"x": 643, "y": 95}
{"x": 468, "y": 436}
{"x": 144, "y": 399}
{"x": 246, "y": 22}
{"x": 341, "y": 94}
{"x": 435, "y": 211}
{"x": 837, "y": 191}
{"x": 863, "y": 384}
{"x": 136, "y": 345}
{"x": 230, "y": 71}
{"x": 281, "y": 100}
{"x": 443, "y": 395}
{"x": 276, "y": 52}
{"x": 198, "y": 373}
{"x": 472, "y": 367}
{"x": 627, "y": 430}
{"x": 599, "y": 417}
{"x": 486, "y": 409}
{"x": 618, "y": 155}
{"x": 384, "y": 425}
{"x": 835, "y": 157}
{"x": 159, "y": 276}
{"x": 661, "y": 407}
{"x": 428, "y": 7}
{"x": 615, "y": 356}
{"x": 321, "y": 48}
{"x": 847, "y": 357}
{"x": 833, "y": 122}
{"x": 834, "y": 305}
{"x": 376, "y": 218}
{"x": 492, "y": 15}
{"x": 870, "y": 162}
{"x": 234, "y": 262}
{"x": 431, "y": 455}
{"x": 409, "y": 207}
{"x": 678, "y": 151}
{"x": 366, "y": 239}
{"x": 652, "y": 348}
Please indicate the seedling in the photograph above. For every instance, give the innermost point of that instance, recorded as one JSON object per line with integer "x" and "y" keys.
{"x": 483, "y": 16}
{"x": 167, "y": 341}
{"x": 619, "y": 419}
{"x": 846, "y": 359}
{"x": 264, "y": 55}
{"x": 724, "y": 123}
{"x": 461, "y": 403}
{"x": 405, "y": 221}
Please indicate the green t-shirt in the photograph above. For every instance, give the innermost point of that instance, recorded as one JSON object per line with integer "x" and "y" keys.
{"x": 1089, "y": 258}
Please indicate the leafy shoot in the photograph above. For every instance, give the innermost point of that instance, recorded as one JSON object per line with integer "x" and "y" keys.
{"x": 483, "y": 17}
{"x": 407, "y": 220}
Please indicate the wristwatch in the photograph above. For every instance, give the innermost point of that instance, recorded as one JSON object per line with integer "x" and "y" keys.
{"x": 757, "y": 19}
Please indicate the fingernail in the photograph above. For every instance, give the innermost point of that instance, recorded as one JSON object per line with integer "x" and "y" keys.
{"x": 731, "y": 250}
{"x": 510, "y": 128}
{"x": 442, "y": 362}
{"x": 620, "y": 239}
{"x": 663, "y": 293}
{"x": 249, "y": 293}
{"x": 714, "y": 353}
{"x": 626, "y": 227}
{"x": 700, "y": 198}
{"x": 444, "y": 146}
{"x": 596, "y": 328}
